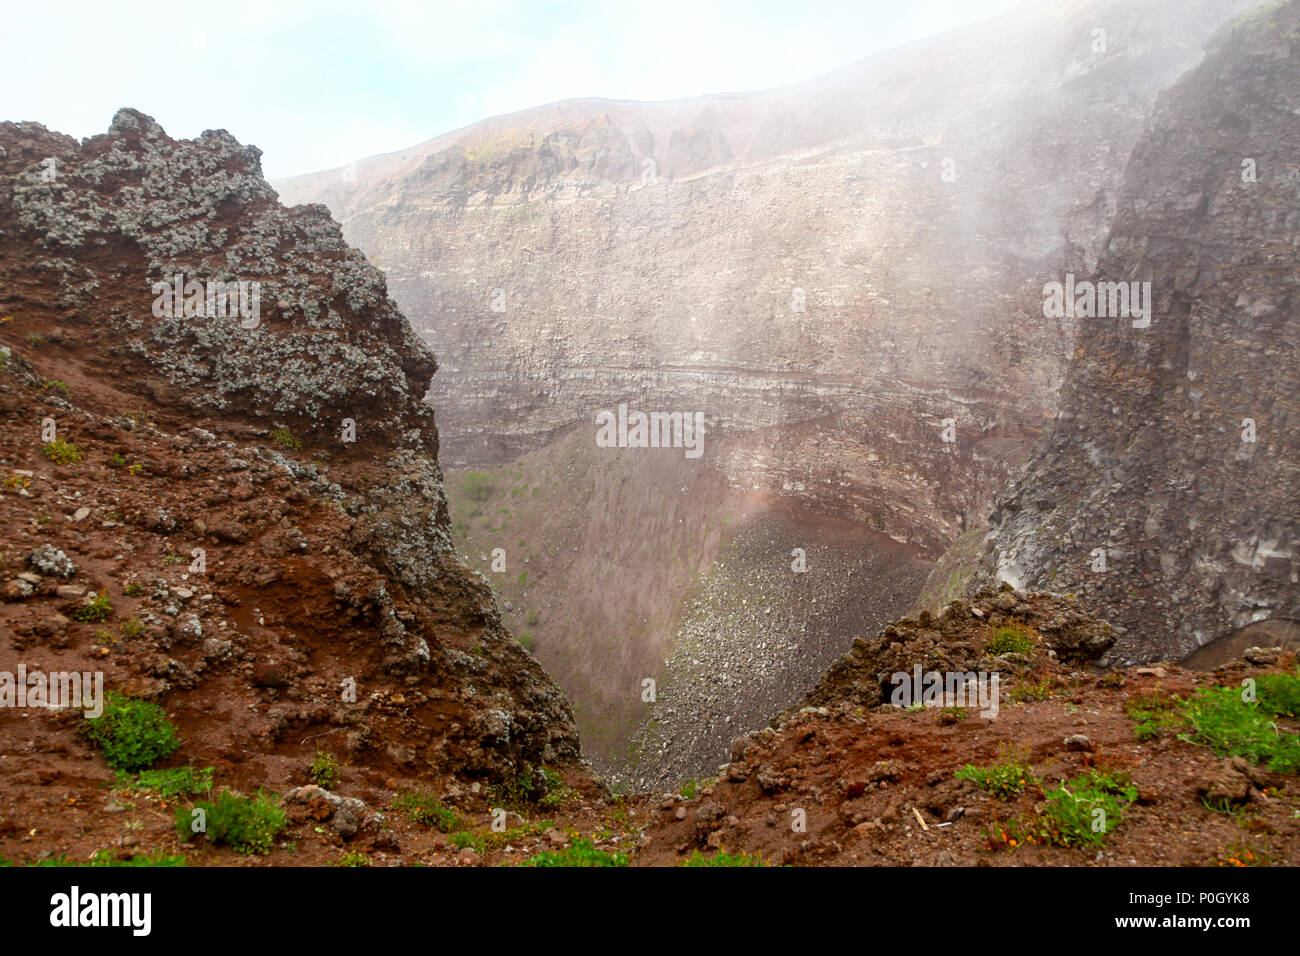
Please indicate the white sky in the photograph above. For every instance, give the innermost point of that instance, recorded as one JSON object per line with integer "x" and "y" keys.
{"x": 318, "y": 85}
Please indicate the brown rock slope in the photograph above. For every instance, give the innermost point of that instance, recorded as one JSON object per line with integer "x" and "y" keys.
{"x": 326, "y": 561}
{"x": 851, "y": 779}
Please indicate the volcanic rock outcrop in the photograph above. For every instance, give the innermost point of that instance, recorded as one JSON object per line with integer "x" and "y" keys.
{"x": 255, "y": 490}
{"x": 1168, "y": 488}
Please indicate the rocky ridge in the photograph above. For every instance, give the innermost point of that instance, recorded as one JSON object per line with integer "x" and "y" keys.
{"x": 194, "y": 437}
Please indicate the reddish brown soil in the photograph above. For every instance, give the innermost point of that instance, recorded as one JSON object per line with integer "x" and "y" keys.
{"x": 863, "y": 774}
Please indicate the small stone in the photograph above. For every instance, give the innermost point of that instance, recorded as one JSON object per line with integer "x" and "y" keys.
{"x": 1079, "y": 742}
{"x": 48, "y": 559}
{"x": 17, "y": 590}
{"x": 1262, "y": 656}
{"x": 1223, "y": 785}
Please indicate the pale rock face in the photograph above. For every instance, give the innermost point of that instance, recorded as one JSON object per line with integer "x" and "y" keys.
{"x": 827, "y": 272}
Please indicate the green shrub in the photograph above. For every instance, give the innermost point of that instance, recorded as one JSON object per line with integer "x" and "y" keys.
{"x": 1004, "y": 780}
{"x": 1072, "y": 808}
{"x": 353, "y": 859}
{"x": 1026, "y": 690}
{"x": 1011, "y": 639}
{"x": 324, "y": 770}
{"x": 246, "y": 824}
{"x": 1153, "y": 714}
{"x": 172, "y": 782}
{"x": 478, "y": 486}
{"x": 1279, "y": 694}
{"x": 97, "y": 608}
{"x": 580, "y": 853}
{"x": 535, "y": 787}
{"x": 1220, "y": 719}
{"x": 1082, "y": 811}
{"x": 427, "y": 810}
{"x": 58, "y": 386}
{"x": 284, "y": 438}
{"x": 61, "y": 452}
{"x": 133, "y": 734}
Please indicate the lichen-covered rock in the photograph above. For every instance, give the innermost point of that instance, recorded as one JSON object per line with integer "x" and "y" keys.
{"x": 326, "y": 343}
{"x": 289, "y": 439}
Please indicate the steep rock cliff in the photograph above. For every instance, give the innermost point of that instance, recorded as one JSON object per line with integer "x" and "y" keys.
{"x": 1168, "y": 488}
{"x": 328, "y": 559}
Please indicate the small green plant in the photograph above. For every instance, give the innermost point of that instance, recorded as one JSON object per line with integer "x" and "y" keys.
{"x": 1011, "y": 639}
{"x": 723, "y": 859}
{"x": 535, "y": 787}
{"x": 1241, "y": 855}
{"x": 1154, "y": 714}
{"x": 246, "y": 824}
{"x": 133, "y": 734}
{"x": 1004, "y": 779}
{"x": 353, "y": 859}
{"x": 284, "y": 438}
{"x": 579, "y": 853}
{"x": 133, "y": 589}
{"x": 132, "y": 628}
{"x": 1219, "y": 718}
{"x": 427, "y": 810}
{"x": 1279, "y": 694}
{"x": 35, "y": 340}
{"x": 97, "y": 608}
{"x": 478, "y": 486}
{"x": 689, "y": 789}
{"x": 526, "y": 639}
{"x": 61, "y": 452}
{"x": 135, "y": 469}
{"x": 951, "y": 715}
{"x": 324, "y": 770}
{"x": 55, "y": 385}
{"x": 1082, "y": 811}
{"x": 1026, "y": 690}
{"x": 466, "y": 840}
{"x": 172, "y": 782}
{"x": 117, "y": 461}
